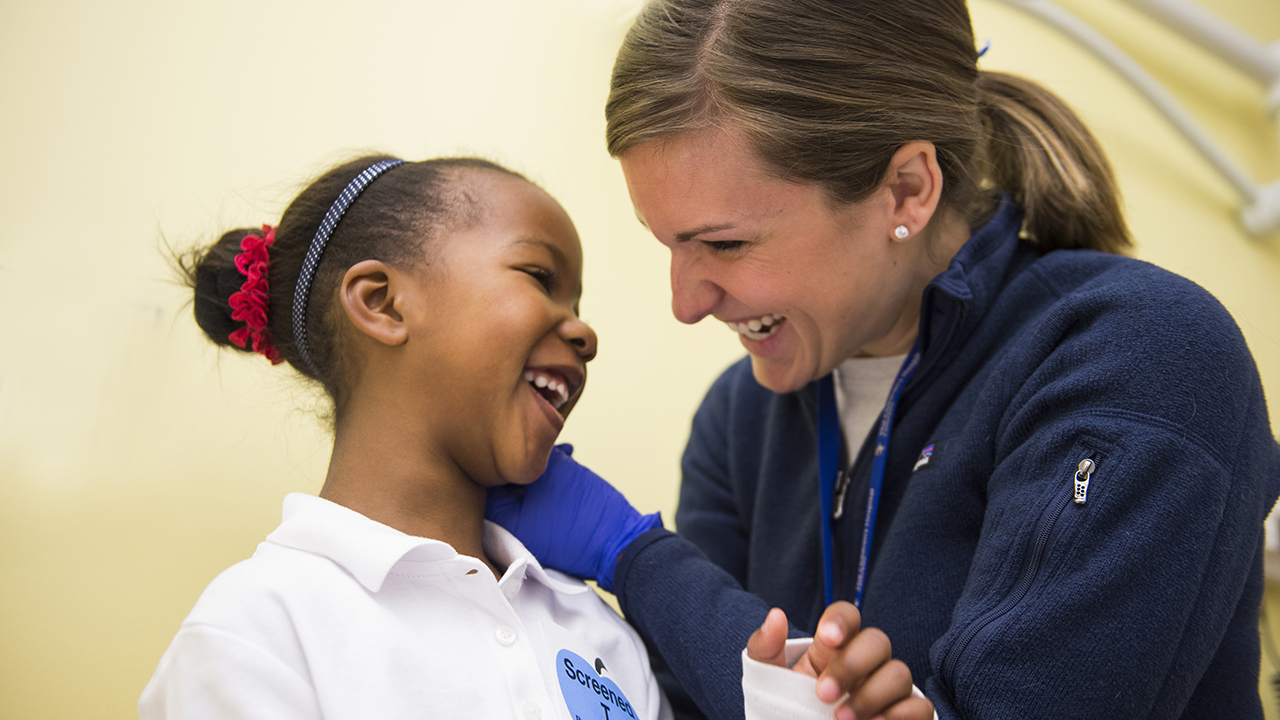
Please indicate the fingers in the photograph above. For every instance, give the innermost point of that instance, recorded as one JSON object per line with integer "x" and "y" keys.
{"x": 804, "y": 665}
{"x": 853, "y": 664}
{"x": 839, "y": 622}
{"x": 887, "y": 685}
{"x": 859, "y": 662}
{"x": 769, "y": 643}
{"x": 910, "y": 709}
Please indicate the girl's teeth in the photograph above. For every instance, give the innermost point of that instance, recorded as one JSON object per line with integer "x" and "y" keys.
{"x": 767, "y": 320}
{"x": 754, "y": 325}
{"x": 555, "y": 385}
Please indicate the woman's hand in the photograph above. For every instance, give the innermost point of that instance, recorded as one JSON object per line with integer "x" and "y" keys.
{"x": 845, "y": 658}
{"x": 570, "y": 518}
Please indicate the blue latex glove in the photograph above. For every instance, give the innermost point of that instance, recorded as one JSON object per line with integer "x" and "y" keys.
{"x": 570, "y": 518}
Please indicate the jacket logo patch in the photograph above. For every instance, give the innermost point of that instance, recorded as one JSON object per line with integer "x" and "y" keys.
{"x": 926, "y": 458}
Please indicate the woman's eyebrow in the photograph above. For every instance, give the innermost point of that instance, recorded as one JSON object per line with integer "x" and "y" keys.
{"x": 691, "y": 234}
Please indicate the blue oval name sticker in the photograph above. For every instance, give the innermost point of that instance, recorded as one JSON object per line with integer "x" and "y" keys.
{"x": 589, "y": 696}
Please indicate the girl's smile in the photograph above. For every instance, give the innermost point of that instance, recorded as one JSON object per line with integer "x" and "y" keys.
{"x": 496, "y": 348}
{"x": 555, "y": 386}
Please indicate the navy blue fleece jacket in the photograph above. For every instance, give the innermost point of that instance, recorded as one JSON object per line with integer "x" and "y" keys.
{"x": 1005, "y": 597}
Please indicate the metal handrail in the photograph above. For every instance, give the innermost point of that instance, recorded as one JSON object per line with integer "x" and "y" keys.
{"x": 1260, "y": 214}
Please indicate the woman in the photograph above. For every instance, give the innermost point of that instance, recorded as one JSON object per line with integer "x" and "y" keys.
{"x": 1039, "y": 467}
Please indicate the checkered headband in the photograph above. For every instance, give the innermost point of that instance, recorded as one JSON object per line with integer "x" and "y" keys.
{"x": 302, "y": 291}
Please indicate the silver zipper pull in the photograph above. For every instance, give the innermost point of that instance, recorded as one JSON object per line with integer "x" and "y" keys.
{"x": 842, "y": 486}
{"x": 1083, "y": 471}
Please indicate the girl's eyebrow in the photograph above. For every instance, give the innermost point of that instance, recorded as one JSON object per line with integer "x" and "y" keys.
{"x": 556, "y": 252}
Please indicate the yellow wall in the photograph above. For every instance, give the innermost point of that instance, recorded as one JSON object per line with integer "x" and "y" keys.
{"x": 136, "y": 462}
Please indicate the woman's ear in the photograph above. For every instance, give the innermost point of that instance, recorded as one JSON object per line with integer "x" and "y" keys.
{"x": 915, "y": 182}
{"x": 368, "y": 296}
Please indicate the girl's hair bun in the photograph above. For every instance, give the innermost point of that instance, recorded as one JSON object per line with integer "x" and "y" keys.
{"x": 393, "y": 221}
{"x": 211, "y": 272}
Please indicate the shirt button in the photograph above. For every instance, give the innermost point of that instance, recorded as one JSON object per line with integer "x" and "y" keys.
{"x": 531, "y": 710}
{"x": 505, "y": 635}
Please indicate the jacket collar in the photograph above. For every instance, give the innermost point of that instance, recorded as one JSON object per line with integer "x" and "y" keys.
{"x": 958, "y": 297}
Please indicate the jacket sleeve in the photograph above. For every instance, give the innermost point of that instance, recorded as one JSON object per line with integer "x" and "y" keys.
{"x": 686, "y": 599}
{"x": 711, "y": 514}
{"x": 694, "y": 614}
{"x": 1118, "y": 597}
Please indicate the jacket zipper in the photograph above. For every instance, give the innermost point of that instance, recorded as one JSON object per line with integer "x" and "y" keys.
{"x": 909, "y": 395}
{"x": 842, "y": 488}
{"x": 1080, "y": 485}
{"x": 1083, "y": 471}
{"x": 930, "y": 360}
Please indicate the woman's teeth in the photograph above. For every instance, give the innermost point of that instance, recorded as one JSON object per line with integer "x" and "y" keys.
{"x": 549, "y": 386}
{"x": 758, "y": 328}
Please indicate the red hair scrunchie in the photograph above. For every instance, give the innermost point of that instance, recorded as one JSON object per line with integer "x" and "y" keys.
{"x": 249, "y": 305}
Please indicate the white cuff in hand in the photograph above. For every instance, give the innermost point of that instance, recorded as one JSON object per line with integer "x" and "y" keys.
{"x": 770, "y": 692}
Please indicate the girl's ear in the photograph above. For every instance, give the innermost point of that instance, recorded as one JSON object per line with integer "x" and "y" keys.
{"x": 368, "y": 295}
{"x": 915, "y": 181}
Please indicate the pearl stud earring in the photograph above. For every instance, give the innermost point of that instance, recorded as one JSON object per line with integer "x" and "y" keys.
{"x": 901, "y": 232}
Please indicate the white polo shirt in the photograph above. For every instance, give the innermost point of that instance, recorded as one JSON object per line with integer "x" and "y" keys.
{"x": 338, "y": 616}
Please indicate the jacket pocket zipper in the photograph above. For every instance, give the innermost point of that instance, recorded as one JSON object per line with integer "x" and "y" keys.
{"x": 1083, "y": 471}
{"x": 1080, "y": 483}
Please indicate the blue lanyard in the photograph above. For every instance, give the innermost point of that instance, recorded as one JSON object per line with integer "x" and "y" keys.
{"x": 829, "y": 472}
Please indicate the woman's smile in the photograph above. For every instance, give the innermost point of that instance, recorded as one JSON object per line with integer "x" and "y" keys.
{"x": 805, "y": 282}
{"x": 757, "y": 328}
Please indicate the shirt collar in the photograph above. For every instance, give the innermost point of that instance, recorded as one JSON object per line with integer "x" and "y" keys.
{"x": 369, "y": 550}
{"x": 505, "y": 550}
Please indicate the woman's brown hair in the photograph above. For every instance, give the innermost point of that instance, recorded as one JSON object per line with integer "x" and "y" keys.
{"x": 827, "y": 90}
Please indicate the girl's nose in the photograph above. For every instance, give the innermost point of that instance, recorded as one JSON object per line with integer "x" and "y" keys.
{"x": 693, "y": 295}
{"x": 580, "y": 336}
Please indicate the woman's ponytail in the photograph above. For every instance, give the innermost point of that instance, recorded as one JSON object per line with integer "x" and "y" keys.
{"x": 1039, "y": 152}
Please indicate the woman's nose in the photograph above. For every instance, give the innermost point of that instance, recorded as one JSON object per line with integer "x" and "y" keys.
{"x": 693, "y": 294}
{"x": 580, "y": 336}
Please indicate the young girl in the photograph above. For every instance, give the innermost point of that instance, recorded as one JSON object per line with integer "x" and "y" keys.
{"x": 437, "y": 304}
